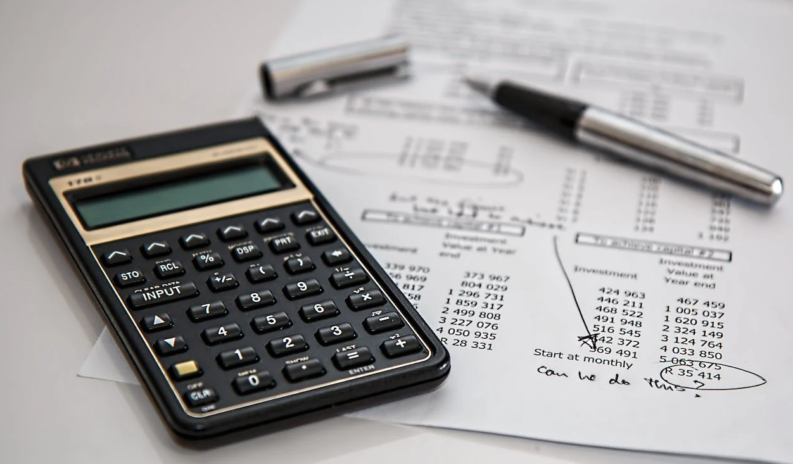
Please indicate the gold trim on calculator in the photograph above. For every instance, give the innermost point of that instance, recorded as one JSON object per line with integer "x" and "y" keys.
{"x": 193, "y": 159}
{"x": 178, "y": 162}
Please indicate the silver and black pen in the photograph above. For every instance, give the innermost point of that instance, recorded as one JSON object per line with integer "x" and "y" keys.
{"x": 635, "y": 141}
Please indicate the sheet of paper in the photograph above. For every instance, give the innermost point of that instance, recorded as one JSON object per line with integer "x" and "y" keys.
{"x": 456, "y": 450}
{"x": 582, "y": 300}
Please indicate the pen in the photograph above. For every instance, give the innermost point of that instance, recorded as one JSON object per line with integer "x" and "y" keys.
{"x": 635, "y": 141}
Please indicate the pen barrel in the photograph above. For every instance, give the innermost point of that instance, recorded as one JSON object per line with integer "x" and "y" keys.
{"x": 667, "y": 152}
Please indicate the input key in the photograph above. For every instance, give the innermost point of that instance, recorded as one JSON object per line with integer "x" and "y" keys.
{"x": 162, "y": 294}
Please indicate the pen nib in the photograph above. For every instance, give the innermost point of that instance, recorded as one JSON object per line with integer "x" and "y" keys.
{"x": 480, "y": 84}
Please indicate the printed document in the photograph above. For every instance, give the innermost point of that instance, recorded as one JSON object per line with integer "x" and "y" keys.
{"x": 583, "y": 300}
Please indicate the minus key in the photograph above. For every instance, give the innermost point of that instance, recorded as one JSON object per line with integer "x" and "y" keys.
{"x": 382, "y": 323}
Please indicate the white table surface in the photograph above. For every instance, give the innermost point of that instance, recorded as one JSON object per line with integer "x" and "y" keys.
{"x": 85, "y": 72}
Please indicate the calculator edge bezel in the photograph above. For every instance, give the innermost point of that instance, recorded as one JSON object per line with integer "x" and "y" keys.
{"x": 429, "y": 372}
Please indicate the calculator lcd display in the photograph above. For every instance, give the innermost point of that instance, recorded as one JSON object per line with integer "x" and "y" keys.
{"x": 154, "y": 200}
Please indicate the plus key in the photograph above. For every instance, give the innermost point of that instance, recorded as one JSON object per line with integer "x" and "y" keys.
{"x": 401, "y": 346}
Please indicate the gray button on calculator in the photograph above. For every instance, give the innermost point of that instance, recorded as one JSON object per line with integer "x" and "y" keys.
{"x": 244, "y": 253}
{"x": 256, "y": 274}
{"x": 349, "y": 278}
{"x": 230, "y": 233}
{"x": 156, "y": 322}
{"x": 284, "y": 244}
{"x": 255, "y": 300}
{"x": 195, "y": 240}
{"x": 253, "y": 383}
{"x": 365, "y": 300}
{"x": 299, "y": 265}
{"x": 220, "y": 282}
{"x": 269, "y": 224}
{"x": 305, "y": 217}
{"x": 401, "y": 346}
{"x": 271, "y": 322}
{"x": 207, "y": 311}
{"x": 336, "y": 334}
{"x": 116, "y": 257}
{"x": 353, "y": 358}
{"x": 238, "y": 357}
{"x": 337, "y": 256}
{"x": 162, "y": 294}
{"x": 320, "y": 236}
{"x": 318, "y": 311}
{"x": 287, "y": 345}
{"x": 168, "y": 269}
{"x": 169, "y": 346}
{"x": 304, "y": 370}
{"x": 155, "y": 249}
{"x": 222, "y": 334}
{"x": 302, "y": 289}
{"x": 129, "y": 278}
{"x": 200, "y": 397}
{"x": 383, "y": 323}
{"x": 206, "y": 261}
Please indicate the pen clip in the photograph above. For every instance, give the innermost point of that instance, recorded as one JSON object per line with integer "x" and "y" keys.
{"x": 336, "y": 69}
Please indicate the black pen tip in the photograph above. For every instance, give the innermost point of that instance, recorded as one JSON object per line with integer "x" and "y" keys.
{"x": 482, "y": 85}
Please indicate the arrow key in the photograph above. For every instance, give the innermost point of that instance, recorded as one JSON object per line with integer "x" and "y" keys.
{"x": 157, "y": 322}
{"x": 194, "y": 241}
{"x": 155, "y": 249}
{"x": 305, "y": 217}
{"x": 267, "y": 225}
{"x": 337, "y": 256}
{"x": 116, "y": 257}
{"x": 234, "y": 232}
{"x": 169, "y": 346}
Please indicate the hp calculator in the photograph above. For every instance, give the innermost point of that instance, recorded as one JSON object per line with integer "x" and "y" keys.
{"x": 238, "y": 293}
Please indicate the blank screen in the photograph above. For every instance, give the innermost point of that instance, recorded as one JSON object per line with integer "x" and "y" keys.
{"x": 175, "y": 196}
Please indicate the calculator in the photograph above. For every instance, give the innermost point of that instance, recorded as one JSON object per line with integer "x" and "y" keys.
{"x": 237, "y": 292}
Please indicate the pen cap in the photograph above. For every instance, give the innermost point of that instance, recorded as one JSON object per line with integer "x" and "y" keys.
{"x": 336, "y": 69}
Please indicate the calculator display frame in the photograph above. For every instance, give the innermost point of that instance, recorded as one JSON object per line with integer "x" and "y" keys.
{"x": 52, "y": 189}
{"x": 65, "y": 186}
{"x": 149, "y": 197}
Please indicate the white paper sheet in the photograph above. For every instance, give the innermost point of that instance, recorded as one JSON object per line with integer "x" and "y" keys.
{"x": 582, "y": 300}
{"x": 455, "y": 450}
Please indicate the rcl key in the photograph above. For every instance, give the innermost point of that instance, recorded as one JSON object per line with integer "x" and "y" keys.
{"x": 169, "y": 269}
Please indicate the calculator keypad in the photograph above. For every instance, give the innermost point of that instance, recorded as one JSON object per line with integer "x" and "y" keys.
{"x": 257, "y": 305}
